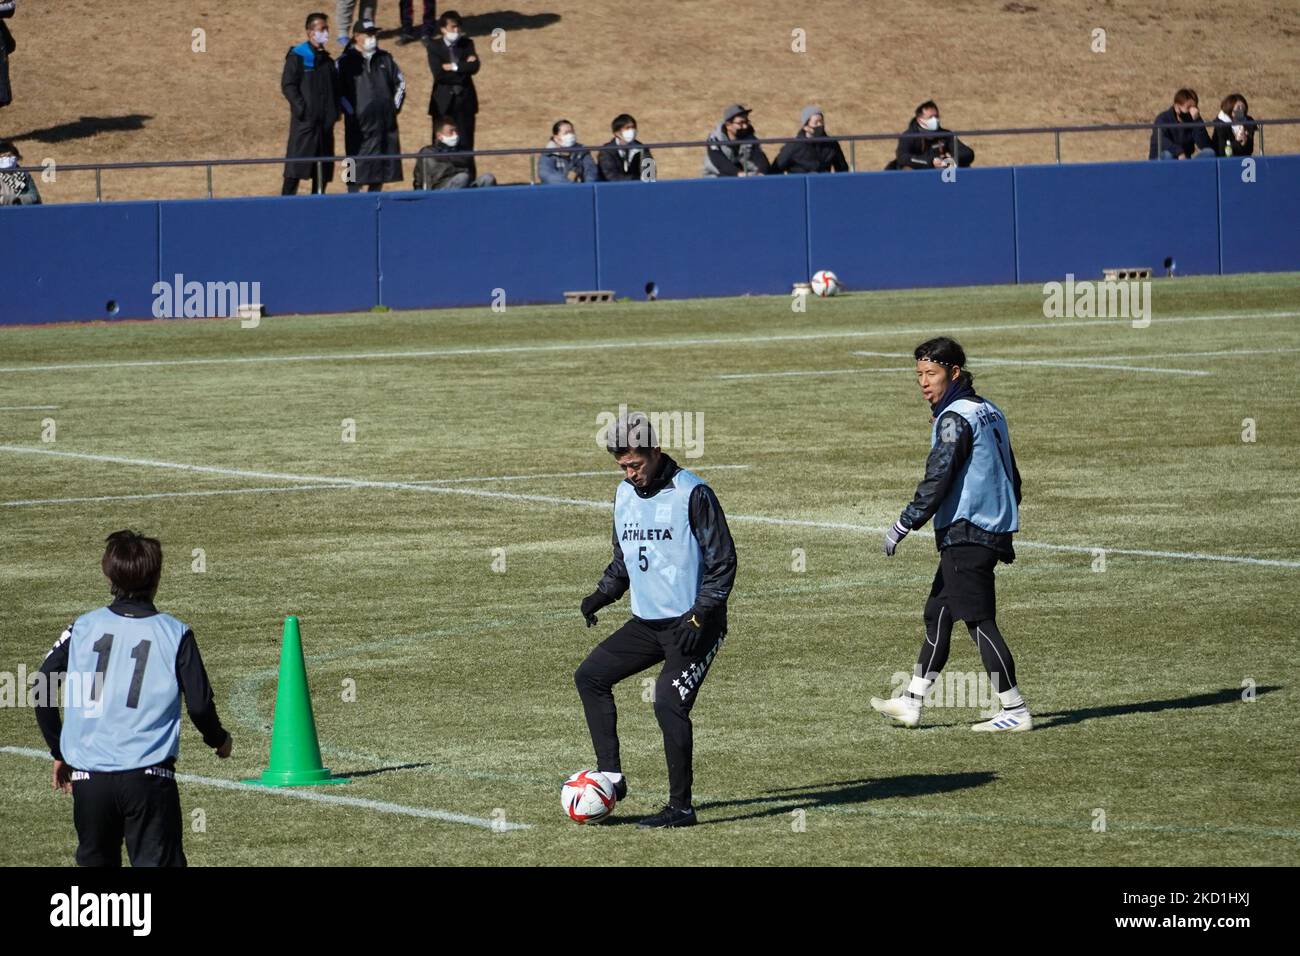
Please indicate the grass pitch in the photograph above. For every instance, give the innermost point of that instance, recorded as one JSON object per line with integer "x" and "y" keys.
{"x": 475, "y": 431}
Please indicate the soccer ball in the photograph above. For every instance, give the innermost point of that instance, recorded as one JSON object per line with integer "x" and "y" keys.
{"x": 825, "y": 283}
{"x": 588, "y": 796}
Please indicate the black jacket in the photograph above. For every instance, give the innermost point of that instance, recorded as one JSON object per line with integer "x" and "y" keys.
{"x": 1182, "y": 140}
{"x": 434, "y": 169}
{"x": 453, "y": 89}
{"x": 191, "y": 677}
{"x": 717, "y": 551}
{"x": 1222, "y": 138}
{"x": 729, "y": 157}
{"x": 920, "y": 152}
{"x": 942, "y": 467}
{"x": 371, "y": 95}
{"x": 310, "y": 84}
{"x": 621, "y": 164}
{"x": 814, "y": 154}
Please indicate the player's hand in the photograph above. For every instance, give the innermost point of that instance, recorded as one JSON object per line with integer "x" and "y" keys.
{"x": 224, "y": 750}
{"x": 61, "y": 779}
{"x": 592, "y": 603}
{"x": 894, "y": 535}
{"x": 689, "y": 627}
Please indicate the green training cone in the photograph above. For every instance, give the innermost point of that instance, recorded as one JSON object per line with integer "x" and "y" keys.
{"x": 295, "y": 751}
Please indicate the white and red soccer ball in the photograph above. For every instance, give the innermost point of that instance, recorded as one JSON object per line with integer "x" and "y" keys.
{"x": 588, "y": 796}
{"x": 825, "y": 283}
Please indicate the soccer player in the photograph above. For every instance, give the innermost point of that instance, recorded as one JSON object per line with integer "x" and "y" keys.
{"x": 971, "y": 489}
{"x": 123, "y": 668}
{"x": 673, "y": 550}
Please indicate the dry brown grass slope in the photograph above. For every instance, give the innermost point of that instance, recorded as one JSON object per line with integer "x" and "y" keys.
{"x": 119, "y": 81}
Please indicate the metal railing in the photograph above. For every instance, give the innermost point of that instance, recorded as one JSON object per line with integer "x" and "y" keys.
{"x": 534, "y": 151}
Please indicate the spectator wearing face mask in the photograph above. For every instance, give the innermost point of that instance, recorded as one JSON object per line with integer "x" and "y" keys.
{"x": 310, "y": 84}
{"x": 1234, "y": 128}
{"x": 7, "y": 46}
{"x": 454, "y": 62}
{"x": 1180, "y": 141}
{"x": 16, "y": 188}
{"x": 568, "y": 160}
{"x": 435, "y": 169}
{"x": 371, "y": 91}
{"x": 814, "y": 153}
{"x": 731, "y": 151}
{"x": 629, "y": 160}
{"x": 926, "y": 151}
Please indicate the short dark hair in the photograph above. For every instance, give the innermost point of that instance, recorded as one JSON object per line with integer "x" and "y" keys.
{"x": 622, "y": 121}
{"x": 447, "y": 121}
{"x": 312, "y": 18}
{"x": 944, "y": 351}
{"x": 1186, "y": 95}
{"x": 927, "y": 105}
{"x": 630, "y": 432}
{"x": 555, "y": 127}
{"x": 448, "y": 16}
{"x": 133, "y": 565}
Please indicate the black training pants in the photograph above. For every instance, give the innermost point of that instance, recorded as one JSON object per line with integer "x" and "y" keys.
{"x": 141, "y": 806}
{"x": 632, "y": 648}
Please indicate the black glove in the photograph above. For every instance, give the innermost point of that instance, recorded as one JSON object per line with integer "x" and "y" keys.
{"x": 688, "y": 629}
{"x": 592, "y": 603}
{"x": 894, "y": 535}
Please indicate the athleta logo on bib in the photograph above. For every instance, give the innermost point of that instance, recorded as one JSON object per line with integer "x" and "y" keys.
{"x": 637, "y": 533}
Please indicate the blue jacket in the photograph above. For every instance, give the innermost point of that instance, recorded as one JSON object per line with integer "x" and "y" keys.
{"x": 554, "y": 167}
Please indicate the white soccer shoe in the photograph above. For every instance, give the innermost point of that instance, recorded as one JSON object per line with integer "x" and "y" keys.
{"x": 1007, "y": 720}
{"x": 904, "y": 710}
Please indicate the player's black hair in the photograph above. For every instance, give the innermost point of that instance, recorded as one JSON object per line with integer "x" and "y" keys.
{"x": 133, "y": 565}
{"x": 944, "y": 351}
{"x": 631, "y": 432}
{"x": 620, "y": 121}
{"x": 312, "y": 18}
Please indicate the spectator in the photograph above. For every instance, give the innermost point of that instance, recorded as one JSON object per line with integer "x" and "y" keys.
{"x": 7, "y": 46}
{"x": 371, "y": 91}
{"x": 814, "y": 153}
{"x": 926, "y": 152}
{"x": 344, "y": 9}
{"x": 408, "y": 21}
{"x": 310, "y": 84}
{"x": 437, "y": 170}
{"x": 1234, "y": 128}
{"x": 569, "y": 161}
{"x": 16, "y": 188}
{"x": 454, "y": 63}
{"x": 728, "y": 154}
{"x": 1182, "y": 141}
{"x": 629, "y": 160}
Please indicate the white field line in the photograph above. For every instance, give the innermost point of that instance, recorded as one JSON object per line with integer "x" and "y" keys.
{"x": 608, "y": 505}
{"x": 25, "y": 502}
{"x": 316, "y": 796}
{"x": 28, "y": 408}
{"x": 605, "y": 473}
{"x": 606, "y": 345}
{"x": 824, "y": 371}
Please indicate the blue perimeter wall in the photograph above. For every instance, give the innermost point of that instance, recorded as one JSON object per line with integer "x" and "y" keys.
{"x": 708, "y": 237}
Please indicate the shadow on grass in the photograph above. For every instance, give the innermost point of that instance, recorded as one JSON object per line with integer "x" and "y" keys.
{"x": 1229, "y": 695}
{"x": 352, "y": 775}
{"x": 780, "y": 802}
{"x": 482, "y": 24}
{"x": 84, "y": 127}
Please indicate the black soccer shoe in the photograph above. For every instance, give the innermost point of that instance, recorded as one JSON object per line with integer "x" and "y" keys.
{"x": 620, "y": 790}
{"x": 669, "y": 817}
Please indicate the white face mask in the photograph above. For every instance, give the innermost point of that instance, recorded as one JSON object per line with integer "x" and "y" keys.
{"x": 453, "y": 36}
{"x": 568, "y": 139}
{"x": 8, "y": 162}
{"x": 629, "y": 134}
{"x": 931, "y": 123}
{"x": 369, "y": 44}
{"x": 451, "y": 140}
{"x": 320, "y": 37}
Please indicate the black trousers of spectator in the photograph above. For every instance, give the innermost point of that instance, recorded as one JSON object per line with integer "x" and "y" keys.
{"x": 140, "y": 806}
{"x": 464, "y": 120}
{"x": 631, "y": 649}
{"x": 426, "y": 23}
{"x": 290, "y": 187}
